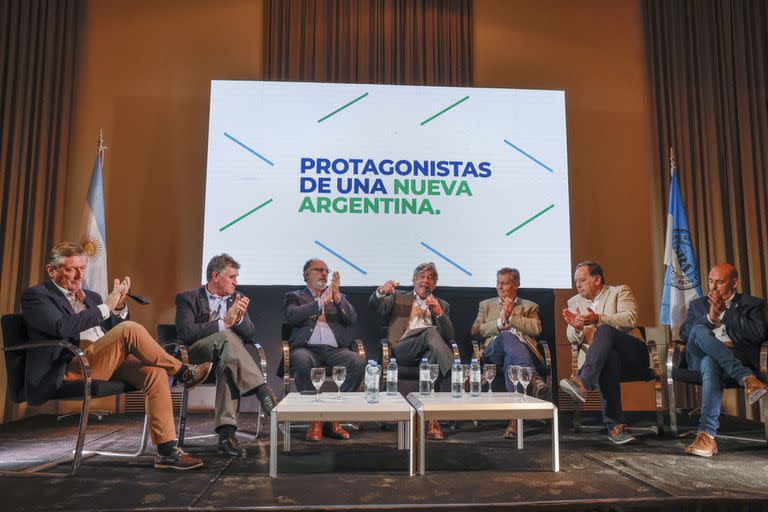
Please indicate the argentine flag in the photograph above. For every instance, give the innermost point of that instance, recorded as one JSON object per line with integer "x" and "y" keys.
{"x": 681, "y": 281}
{"x": 93, "y": 232}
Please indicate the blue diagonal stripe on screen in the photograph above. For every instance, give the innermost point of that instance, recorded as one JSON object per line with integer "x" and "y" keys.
{"x": 446, "y": 258}
{"x": 529, "y": 156}
{"x": 247, "y": 148}
{"x": 342, "y": 258}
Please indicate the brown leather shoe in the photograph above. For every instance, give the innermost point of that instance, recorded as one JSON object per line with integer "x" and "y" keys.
{"x": 433, "y": 430}
{"x": 704, "y": 445}
{"x": 753, "y": 389}
{"x": 335, "y": 431}
{"x": 511, "y": 431}
{"x": 194, "y": 374}
{"x": 315, "y": 431}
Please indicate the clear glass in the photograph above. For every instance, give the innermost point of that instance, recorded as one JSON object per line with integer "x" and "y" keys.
{"x": 318, "y": 377}
{"x": 526, "y": 374}
{"x": 489, "y": 371}
{"x": 513, "y": 372}
{"x": 339, "y": 373}
{"x": 434, "y": 371}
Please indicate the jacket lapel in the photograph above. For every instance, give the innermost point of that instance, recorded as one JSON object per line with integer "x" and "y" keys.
{"x": 59, "y": 298}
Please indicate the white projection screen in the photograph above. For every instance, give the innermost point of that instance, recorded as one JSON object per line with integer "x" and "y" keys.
{"x": 375, "y": 179}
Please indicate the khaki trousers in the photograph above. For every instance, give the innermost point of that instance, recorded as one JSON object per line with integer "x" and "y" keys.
{"x": 128, "y": 352}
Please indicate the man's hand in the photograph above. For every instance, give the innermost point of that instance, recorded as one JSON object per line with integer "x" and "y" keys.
{"x": 434, "y": 305}
{"x": 574, "y": 319}
{"x": 335, "y": 291}
{"x": 244, "y": 301}
{"x": 236, "y": 311}
{"x": 716, "y": 306}
{"x": 116, "y": 298}
{"x": 590, "y": 317}
{"x": 388, "y": 288}
{"x": 507, "y": 305}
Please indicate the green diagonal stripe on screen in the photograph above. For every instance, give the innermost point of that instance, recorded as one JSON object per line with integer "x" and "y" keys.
{"x": 342, "y": 108}
{"x": 446, "y": 109}
{"x": 265, "y": 203}
{"x": 542, "y": 212}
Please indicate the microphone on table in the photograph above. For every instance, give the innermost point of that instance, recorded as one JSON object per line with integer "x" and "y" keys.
{"x": 138, "y": 298}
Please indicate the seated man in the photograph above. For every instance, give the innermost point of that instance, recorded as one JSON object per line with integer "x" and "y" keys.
{"x": 418, "y": 325}
{"x": 114, "y": 346}
{"x": 509, "y": 326}
{"x": 214, "y": 322}
{"x": 609, "y": 312}
{"x": 320, "y": 317}
{"x": 723, "y": 333}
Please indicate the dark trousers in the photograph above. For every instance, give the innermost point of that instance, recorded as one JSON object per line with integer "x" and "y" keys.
{"x": 311, "y": 356}
{"x": 611, "y": 352}
{"x": 429, "y": 344}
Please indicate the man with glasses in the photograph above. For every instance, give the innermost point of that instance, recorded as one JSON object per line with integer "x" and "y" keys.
{"x": 320, "y": 317}
{"x": 214, "y": 322}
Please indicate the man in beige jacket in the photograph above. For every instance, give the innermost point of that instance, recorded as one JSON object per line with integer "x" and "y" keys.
{"x": 605, "y": 314}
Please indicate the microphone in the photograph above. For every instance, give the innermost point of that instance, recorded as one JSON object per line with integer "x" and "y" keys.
{"x": 138, "y": 298}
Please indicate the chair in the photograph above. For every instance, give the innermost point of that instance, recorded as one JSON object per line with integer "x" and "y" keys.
{"x": 168, "y": 337}
{"x": 405, "y": 372}
{"x": 650, "y": 374}
{"x": 678, "y": 372}
{"x": 543, "y": 350}
{"x": 16, "y": 345}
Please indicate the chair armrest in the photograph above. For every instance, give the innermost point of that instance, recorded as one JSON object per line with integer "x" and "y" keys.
{"x": 286, "y": 366}
{"x": 653, "y": 358}
{"x": 545, "y": 353}
{"x": 455, "y": 350}
{"x": 178, "y": 349}
{"x": 385, "y": 353}
{"x": 674, "y": 356}
{"x": 262, "y": 359}
{"x": 476, "y": 350}
{"x": 360, "y": 347}
{"x": 79, "y": 354}
{"x": 764, "y": 358}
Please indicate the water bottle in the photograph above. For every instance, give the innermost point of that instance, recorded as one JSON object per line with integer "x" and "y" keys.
{"x": 457, "y": 379}
{"x": 372, "y": 382}
{"x": 474, "y": 378}
{"x": 425, "y": 383}
{"x": 392, "y": 377}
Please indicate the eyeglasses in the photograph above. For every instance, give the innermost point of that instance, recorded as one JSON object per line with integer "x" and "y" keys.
{"x": 322, "y": 270}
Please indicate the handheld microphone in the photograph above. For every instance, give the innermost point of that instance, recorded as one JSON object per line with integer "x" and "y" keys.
{"x": 138, "y": 298}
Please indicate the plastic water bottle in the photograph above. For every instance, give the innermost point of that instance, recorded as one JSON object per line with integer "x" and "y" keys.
{"x": 457, "y": 379}
{"x": 425, "y": 383}
{"x": 392, "y": 377}
{"x": 474, "y": 378}
{"x": 372, "y": 376}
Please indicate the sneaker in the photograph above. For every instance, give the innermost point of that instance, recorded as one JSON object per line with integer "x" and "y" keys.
{"x": 574, "y": 388}
{"x": 704, "y": 445}
{"x": 229, "y": 446}
{"x": 619, "y": 435}
{"x": 753, "y": 389}
{"x": 178, "y": 459}
{"x": 195, "y": 374}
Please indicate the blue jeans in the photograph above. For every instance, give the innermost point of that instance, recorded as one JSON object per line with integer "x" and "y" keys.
{"x": 508, "y": 350}
{"x": 707, "y": 355}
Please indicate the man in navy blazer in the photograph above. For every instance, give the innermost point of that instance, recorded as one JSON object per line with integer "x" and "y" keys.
{"x": 214, "y": 322}
{"x": 320, "y": 317}
{"x": 114, "y": 346}
{"x": 723, "y": 333}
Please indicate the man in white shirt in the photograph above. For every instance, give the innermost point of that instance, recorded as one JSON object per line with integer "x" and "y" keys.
{"x": 723, "y": 333}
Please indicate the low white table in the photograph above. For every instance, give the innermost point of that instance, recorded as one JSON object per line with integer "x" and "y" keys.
{"x": 488, "y": 406}
{"x": 352, "y": 407}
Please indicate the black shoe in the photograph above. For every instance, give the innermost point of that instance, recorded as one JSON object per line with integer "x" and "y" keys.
{"x": 231, "y": 447}
{"x": 195, "y": 374}
{"x": 268, "y": 402}
{"x": 178, "y": 459}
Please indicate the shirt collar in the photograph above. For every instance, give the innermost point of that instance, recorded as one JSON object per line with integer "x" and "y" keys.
{"x": 211, "y": 296}
{"x": 64, "y": 291}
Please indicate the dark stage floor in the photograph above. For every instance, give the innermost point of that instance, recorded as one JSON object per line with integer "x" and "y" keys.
{"x": 474, "y": 468}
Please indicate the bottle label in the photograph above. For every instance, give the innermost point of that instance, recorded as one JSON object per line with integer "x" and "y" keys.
{"x": 424, "y": 375}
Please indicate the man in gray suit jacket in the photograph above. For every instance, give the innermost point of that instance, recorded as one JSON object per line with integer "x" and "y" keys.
{"x": 419, "y": 325}
{"x": 605, "y": 314}
{"x": 214, "y": 322}
{"x": 320, "y": 317}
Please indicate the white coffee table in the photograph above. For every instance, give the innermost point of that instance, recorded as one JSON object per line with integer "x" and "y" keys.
{"x": 488, "y": 406}
{"x": 352, "y": 407}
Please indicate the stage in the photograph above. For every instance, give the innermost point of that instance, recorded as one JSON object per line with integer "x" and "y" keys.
{"x": 474, "y": 468}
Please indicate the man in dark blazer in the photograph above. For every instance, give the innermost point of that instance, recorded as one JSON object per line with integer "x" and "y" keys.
{"x": 320, "y": 317}
{"x": 114, "y": 346}
{"x": 419, "y": 325}
{"x": 723, "y": 333}
{"x": 213, "y": 321}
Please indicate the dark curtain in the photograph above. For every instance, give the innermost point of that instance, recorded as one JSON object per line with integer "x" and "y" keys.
{"x": 37, "y": 67}
{"x": 708, "y": 65}
{"x": 410, "y": 42}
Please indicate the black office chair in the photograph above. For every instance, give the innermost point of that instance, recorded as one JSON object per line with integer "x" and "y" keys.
{"x": 16, "y": 345}
{"x": 168, "y": 337}
{"x": 678, "y": 372}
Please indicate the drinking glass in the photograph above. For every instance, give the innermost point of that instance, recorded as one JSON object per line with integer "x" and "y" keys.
{"x": 513, "y": 372}
{"x": 526, "y": 374}
{"x": 489, "y": 371}
{"x": 318, "y": 377}
{"x": 339, "y": 374}
{"x": 434, "y": 371}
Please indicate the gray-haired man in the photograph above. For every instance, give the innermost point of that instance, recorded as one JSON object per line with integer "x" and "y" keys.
{"x": 214, "y": 322}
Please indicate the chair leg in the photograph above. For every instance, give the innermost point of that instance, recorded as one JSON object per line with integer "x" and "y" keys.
{"x": 142, "y": 445}
{"x": 764, "y": 411}
{"x": 183, "y": 417}
{"x": 576, "y": 416}
{"x": 672, "y": 407}
{"x": 658, "y": 392}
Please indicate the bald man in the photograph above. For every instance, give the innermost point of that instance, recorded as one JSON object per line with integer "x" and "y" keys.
{"x": 723, "y": 333}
